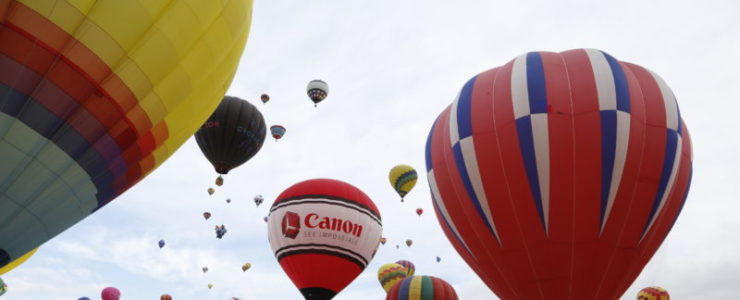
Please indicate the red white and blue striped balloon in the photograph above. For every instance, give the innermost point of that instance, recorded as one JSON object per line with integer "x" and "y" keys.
{"x": 558, "y": 175}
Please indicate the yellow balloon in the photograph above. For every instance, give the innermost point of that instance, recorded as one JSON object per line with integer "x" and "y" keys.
{"x": 403, "y": 178}
{"x": 13, "y": 264}
{"x": 390, "y": 274}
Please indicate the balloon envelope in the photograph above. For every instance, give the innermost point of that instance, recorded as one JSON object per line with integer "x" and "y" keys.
{"x": 19, "y": 261}
{"x": 232, "y": 135}
{"x": 422, "y": 288}
{"x": 317, "y": 90}
{"x": 277, "y": 131}
{"x": 653, "y": 293}
{"x": 323, "y": 232}
{"x": 91, "y": 103}
{"x": 3, "y": 287}
{"x": 558, "y": 175}
{"x": 165, "y": 297}
{"x": 419, "y": 211}
{"x": 402, "y": 178}
{"x": 161, "y": 244}
{"x": 110, "y": 293}
{"x": 265, "y": 98}
{"x": 410, "y": 268}
{"x": 390, "y": 274}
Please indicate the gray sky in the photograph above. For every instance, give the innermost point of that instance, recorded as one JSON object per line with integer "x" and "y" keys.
{"x": 392, "y": 66}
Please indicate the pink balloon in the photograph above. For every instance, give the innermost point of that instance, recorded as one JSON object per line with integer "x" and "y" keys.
{"x": 110, "y": 293}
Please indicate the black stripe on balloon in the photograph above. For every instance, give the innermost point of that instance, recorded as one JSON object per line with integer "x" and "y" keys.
{"x": 322, "y": 251}
{"x": 280, "y": 202}
{"x": 361, "y": 258}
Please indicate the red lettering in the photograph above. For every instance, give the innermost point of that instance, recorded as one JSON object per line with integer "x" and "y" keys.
{"x": 308, "y": 220}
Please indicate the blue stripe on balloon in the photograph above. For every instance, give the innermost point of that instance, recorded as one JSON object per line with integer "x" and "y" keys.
{"x": 608, "y": 148}
{"x": 447, "y": 223}
{"x": 465, "y": 177}
{"x": 526, "y": 145}
{"x": 620, "y": 83}
{"x": 464, "y": 122}
{"x": 428, "y": 148}
{"x": 668, "y": 161}
{"x": 403, "y": 291}
{"x": 536, "y": 84}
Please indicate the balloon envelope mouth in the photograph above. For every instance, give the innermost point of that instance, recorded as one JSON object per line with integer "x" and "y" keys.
{"x": 317, "y": 293}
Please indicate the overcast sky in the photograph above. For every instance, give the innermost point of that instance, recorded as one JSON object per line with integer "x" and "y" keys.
{"x": 392, "y": 67}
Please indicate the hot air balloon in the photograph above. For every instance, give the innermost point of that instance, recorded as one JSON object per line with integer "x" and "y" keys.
{"x": 438, "y": 259}
{"x": 206, "y": 215}
{"x": 110, "y": 293}
{"x": 246, "y": 267}
{"x": 383, "y": 240}
{"x": 653, "y": 293}
{"x": 17, "y": 262}
{"x": 265, "y": 98}
{"x": 410, "y": 268}
{"x": 258, "y": 200}
{"x": 3, "y": 287}
{"x": 558, "y": 175}
{"x": 210, "y": 286}
{"x": 265, "y": 219}
{"x": 165, "y": 297}
{"x": 403, "y": 178}
{"x": 419, "y": 211}
{"x": 317, "y": 91}
{"x": 277, "y": 131}
{"x": 204, "y": 269}
{"x": 211, "y": 191}
{"x": 323, "y": 232}
{"x": 409, "y": 242}
{"x": 390, "y": 274}
{"x": 228, "y": 200}
{"x": 84, "y": 298}
{"x": 220, "y": 180}
{"x": 161, "y": 244}
{"x": 91, "y": 103}
{"x": 422, "y": 288}
{"x": 232, "y": 135}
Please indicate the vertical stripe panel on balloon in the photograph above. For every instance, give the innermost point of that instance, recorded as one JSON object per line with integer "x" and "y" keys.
{"x": 404, "y": 289}
{"x": 416, "y": 289}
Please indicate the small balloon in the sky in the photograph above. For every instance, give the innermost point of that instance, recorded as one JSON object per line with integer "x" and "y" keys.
{"x": 228, "y": 200}
{"x": 110, "y": 293}
{"x": 258, "y": 200}
{"x": 403, "y": 179}
{"x": 653, "y": 293}
{"x": 409, "y": 242}
{"x": 165, "y": 297}
{"x": 210, "y": 286}
{"x": 277, "y": 131}
{"x": 3, "y": 287}
{"x": 317, "y": 91}
{"x": 265, "y": 98}
{"x": 438, "y": 259}
{"x": 220, "y": 180}
{"x": 211, "y": 191}
{"x": 396, "y": 246}
{"x": 206, "y": 215}
{"x": 205, "y": 269}
{"x": 419, "y": 211}
{"x": 220, "y": 231}
{"x": 383, "y": 240}
{"x": 246, "y": 267}
{"x": 410, "y": 268}
{"x": 265, "y": 219}
{"x": 161, "y": 244}
{"x": 83, "y": 298}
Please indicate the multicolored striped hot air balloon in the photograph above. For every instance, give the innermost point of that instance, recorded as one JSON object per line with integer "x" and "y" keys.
{"x": 410, "y": 268}
{"x": 277, "y": 131}
{"x": 324, "y": 233}
{"x": 402, "y": 178}
{"x": 317, "y": 91}
{"x": 422, "y": 288}
{"x": 653, "y": 293}
{"x": 390, "y": 274}
{"x": 95, "y": 94}
{"x": 558, "y": 175}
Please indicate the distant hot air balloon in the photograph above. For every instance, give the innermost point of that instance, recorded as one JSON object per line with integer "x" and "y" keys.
{"x": 110, "y": 293}
{"x": 653, "y": 293}
{"x": 265, "y": 98}
{"x": 277, "y": 131}
{"x": 204, "y": 269}
{"x": 383, "y": 240}
{"x": 390, "y": 274}
{"x": 228, "y": 200}
{"x": 403, "y": 178}
{"x": 258, "y": 200}
{"x": 409, "y": 242}
{"x": 3, "y": 287}
{"x": 422, "y": 288}
{"x": 161, "y": 244}
{"x": 265, "y": 219}
{"x": 165, "y": 297}
{"x": 220, "y": 180}
{"x": 211, "y": 191}
{"x": 410, "y": 268}
{"x": 83, "y": 298}
{"x": 419, "y": 211}
{"x": 210, "y": 286}
{"x": 246, "y": 267}
{"x": 324, "y": 232}
{"x": 17, "y": 262}
{"x": 91, "y": 103}
{"x": 317, "y": 91}
{"x": 232, "y": 135}
{"x": 206, "y": 215}
{"x": 438, "y": 259}
{"x": 554, "y": 157}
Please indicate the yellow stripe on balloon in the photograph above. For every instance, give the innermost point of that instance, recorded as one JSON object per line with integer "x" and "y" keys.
{"x": 415, "y": 288}
{"x": 14, "y": 264}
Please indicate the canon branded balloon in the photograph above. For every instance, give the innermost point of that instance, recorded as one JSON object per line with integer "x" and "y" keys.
{"x": 323, "y": 232}
{"x": 558, "y": 175}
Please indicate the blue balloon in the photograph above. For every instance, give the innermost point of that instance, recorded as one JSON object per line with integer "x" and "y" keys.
{"x": 84, "y": 298}
{"x": 161, "y": 244}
